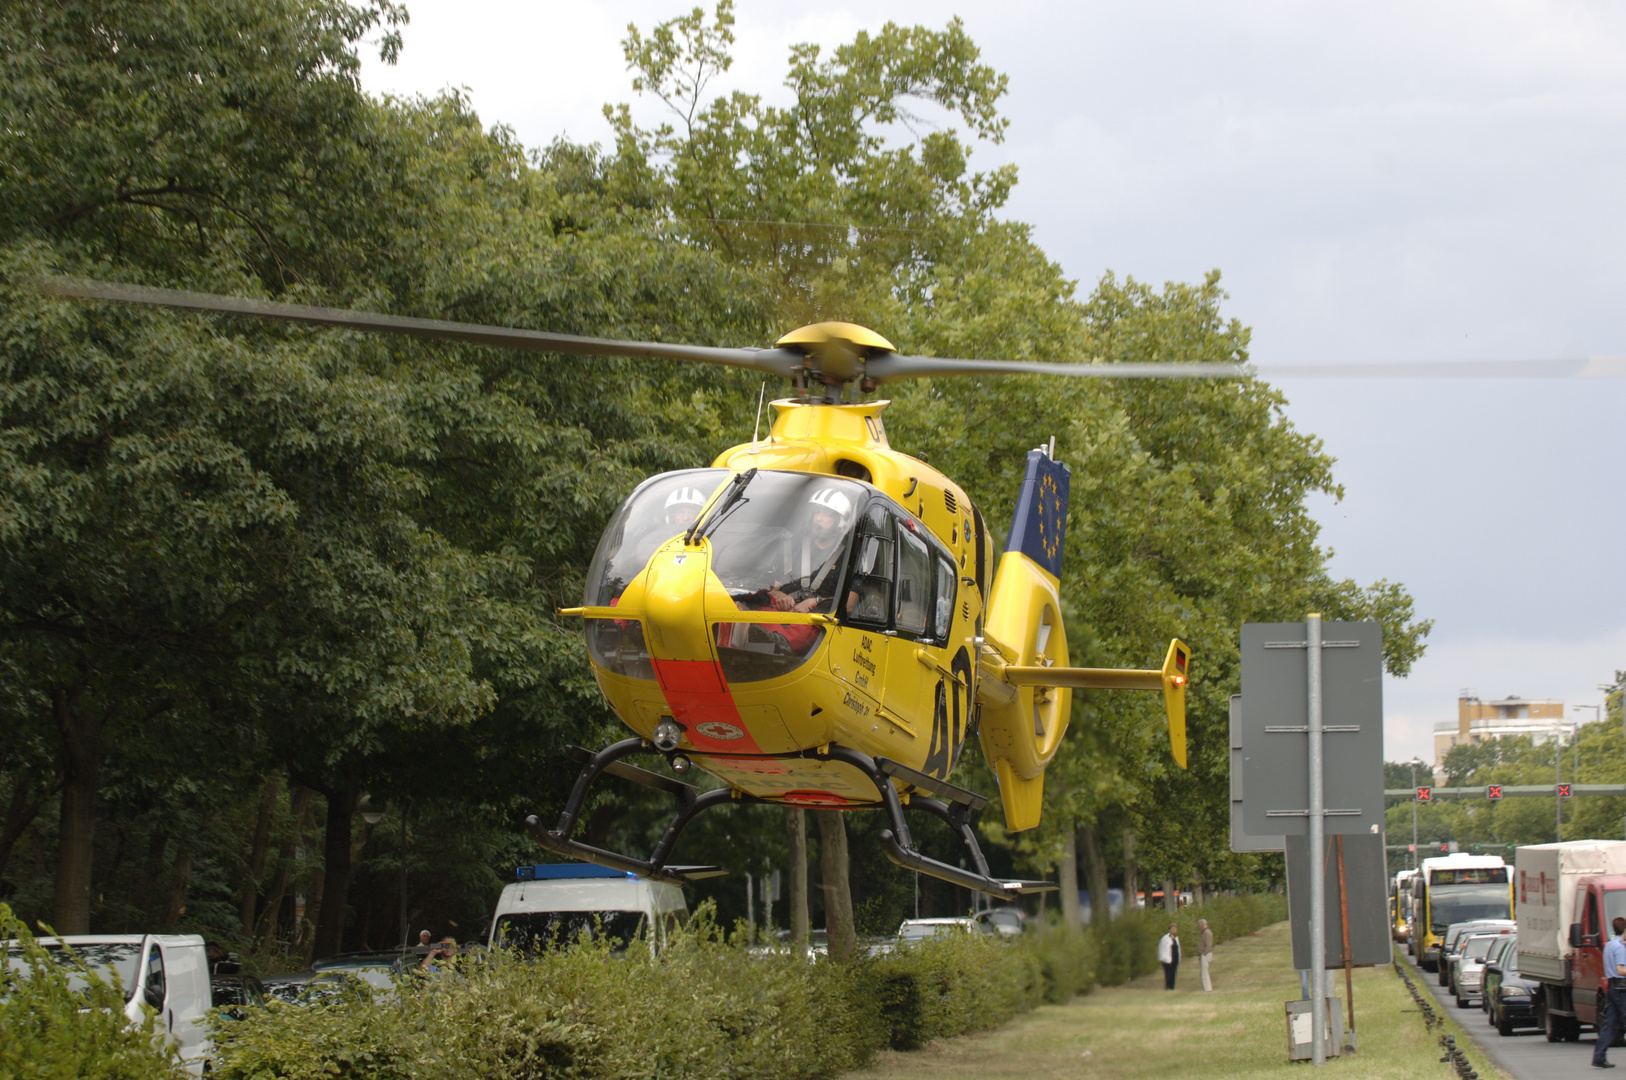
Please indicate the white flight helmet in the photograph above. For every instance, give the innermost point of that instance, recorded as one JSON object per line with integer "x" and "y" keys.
{"x": 685, "y": 496}
{"x": 834, "y": 501}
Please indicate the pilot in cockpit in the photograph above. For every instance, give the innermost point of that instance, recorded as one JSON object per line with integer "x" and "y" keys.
{"x": 818, "y": 553}
{"x": 683, "y": 506}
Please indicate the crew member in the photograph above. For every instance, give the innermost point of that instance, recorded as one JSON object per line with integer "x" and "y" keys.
{"x": 820, "y": 552}
{"x": 1613, "y": 1021}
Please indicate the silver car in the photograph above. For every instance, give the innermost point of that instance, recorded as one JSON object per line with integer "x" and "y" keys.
{"x": 1468, "y": 973}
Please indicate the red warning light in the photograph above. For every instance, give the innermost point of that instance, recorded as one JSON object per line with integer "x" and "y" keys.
{"x": 1425, "y": 794}
{"x": 1493, "y": 791}
{"x": 1563, "y": 791}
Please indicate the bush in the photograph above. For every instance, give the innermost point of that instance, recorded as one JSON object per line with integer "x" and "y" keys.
{"x": 947, "y": 986}
{"x": 49, "y": 1030}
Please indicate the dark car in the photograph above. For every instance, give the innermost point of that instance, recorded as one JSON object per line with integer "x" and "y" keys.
{"x": 1510, "y": 998}
{"x": 236, "y": 993}
{"x": 286, "y": 987}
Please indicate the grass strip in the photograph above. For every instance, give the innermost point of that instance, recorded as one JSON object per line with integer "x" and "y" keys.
{"x": 1238, "y": 1031}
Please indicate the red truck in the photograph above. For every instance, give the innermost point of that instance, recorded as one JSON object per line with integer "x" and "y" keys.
{"x": 1567, "y": 895}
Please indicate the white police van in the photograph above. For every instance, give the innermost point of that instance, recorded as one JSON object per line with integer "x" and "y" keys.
{"x": 551, "y": 906}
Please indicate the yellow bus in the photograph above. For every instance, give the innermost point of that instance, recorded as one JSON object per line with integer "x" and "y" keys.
{"x": 1452, "y": 889}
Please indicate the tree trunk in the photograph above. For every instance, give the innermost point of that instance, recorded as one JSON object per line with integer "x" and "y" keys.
{"x": 1095, "y": 874}
{"x": 1071, "y": 910}
{"x": 1131, "y": 873}
{"x": 299, "y": 808}
{"x": 1171, "y": 896}
{"x": 80, "y": 736}
{"x": 796, "y": 886}
{"x": 336, "y": 869}
{"x": 838, "y": 896}
{"x": 27, "y": 799}
{"x": 180, "y": 885}
{"x": 1197, "y": 892}
{"x": 257, "y": 856}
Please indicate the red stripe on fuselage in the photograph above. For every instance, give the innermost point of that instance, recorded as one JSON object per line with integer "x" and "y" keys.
{"x": 699, "y": 698}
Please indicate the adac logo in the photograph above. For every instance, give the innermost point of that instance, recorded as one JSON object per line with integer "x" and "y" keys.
{"x": 1049, "y": 516}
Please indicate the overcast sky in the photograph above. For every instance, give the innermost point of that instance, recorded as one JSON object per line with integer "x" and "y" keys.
{"x": 1377, "y": 181}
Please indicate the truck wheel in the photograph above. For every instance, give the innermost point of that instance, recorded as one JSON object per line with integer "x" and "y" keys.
{"x": 1572, "y": 1029}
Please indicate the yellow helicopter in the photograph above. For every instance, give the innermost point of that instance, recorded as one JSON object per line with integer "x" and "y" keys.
{"x": 815, "y": 619}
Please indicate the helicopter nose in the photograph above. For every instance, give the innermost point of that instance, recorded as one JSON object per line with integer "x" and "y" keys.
{"x": 675, "y": 608}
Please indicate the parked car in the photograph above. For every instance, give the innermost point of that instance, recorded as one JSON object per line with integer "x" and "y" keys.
{"x": 1451, "y": 943}
{"x": 167, "y": 973}
{"x": 1468, "y": 971}
{"x": 286, "y": 987}
{"x": 235, "y": 993}
{"x": 1510, "y": 998}
{"x": 1007, "y": 922}
{"x": 922, "y": 929}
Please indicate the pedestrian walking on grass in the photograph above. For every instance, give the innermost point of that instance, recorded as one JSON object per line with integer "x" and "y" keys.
{"x": 1168, "y": 954}
{"x": 1205, "y": 953}
{"x": 1614, "y": 1012}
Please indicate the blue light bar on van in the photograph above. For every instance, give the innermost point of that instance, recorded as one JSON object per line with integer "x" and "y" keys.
{"x": 554, "y": 871}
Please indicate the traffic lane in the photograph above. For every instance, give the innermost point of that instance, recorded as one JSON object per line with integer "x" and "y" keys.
{"x": 1524, "y": 1055}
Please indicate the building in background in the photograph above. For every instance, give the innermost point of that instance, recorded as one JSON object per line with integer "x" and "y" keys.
{"x": 1478, "y": 721}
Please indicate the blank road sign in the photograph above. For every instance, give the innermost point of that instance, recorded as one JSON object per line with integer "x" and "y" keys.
{"x": 1241, "y": 840}
{"x": 1275, "y": 728}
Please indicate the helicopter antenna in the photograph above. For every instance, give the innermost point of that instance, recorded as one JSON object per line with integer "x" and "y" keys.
{"x": 757, "y": 428}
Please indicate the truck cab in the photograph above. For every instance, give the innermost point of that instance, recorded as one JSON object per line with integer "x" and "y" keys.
{"x": 1598, "y": 902}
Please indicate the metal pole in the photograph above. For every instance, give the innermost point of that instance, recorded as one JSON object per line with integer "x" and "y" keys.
{"x": 1414, "y": 813}
{"x": 1558, "y": 778}
{"x": 1349, "y": 967}
{"x": 1318, "y": 847}
{"x": 403, "y": 881}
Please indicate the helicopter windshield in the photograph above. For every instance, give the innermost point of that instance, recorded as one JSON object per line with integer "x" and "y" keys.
{"x": 782, "y": 546}
{"x": 661, "y": 508}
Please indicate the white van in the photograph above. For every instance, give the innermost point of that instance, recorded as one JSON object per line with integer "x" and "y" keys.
{"x": 553, "y": 905}
{"x": 168, "y": 972}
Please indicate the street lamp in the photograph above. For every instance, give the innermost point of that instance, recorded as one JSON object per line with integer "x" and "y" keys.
{"x": 1415, "y": 761}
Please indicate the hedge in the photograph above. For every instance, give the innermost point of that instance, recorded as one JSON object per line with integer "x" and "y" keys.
{"x": 711, "y": 1005}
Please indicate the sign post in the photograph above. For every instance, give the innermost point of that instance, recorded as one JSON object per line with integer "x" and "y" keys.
{"x": 1289, "y": 789}
{"x": 1318, "y": 845}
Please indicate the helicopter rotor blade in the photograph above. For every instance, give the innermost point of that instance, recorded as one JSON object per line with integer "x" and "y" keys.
{"x": 828, "y": 364}
{"x": 892, "y": 367}
{"x": 781, "y": 362}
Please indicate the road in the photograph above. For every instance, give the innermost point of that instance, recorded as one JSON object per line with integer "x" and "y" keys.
{"x": 1526, "y": 1054}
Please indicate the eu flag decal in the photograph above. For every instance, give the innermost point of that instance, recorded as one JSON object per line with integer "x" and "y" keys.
{"x": 1040, "y": 524}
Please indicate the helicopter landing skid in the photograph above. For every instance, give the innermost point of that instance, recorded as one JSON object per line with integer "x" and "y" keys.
{"x": 899, "y": 846}
{"x": 691, "y": 801}
{"x": 954, "y": 809}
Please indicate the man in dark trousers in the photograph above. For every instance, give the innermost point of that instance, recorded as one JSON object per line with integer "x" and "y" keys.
{"x": 1613, "y": 1021}
{"x": 1168, "y": 954}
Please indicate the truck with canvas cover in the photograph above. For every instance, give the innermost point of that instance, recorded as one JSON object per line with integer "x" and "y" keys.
{"x": 1568, "y": 894}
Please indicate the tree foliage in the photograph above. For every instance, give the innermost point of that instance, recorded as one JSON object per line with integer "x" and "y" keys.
{"x": 232, "y": 551}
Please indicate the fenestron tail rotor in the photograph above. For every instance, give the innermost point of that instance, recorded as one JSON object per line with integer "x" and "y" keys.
{"x": 826, "y": 356}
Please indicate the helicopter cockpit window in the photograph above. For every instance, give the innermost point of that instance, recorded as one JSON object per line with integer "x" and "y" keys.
{"x": 870, "y": 592}
{"x": 661, "y": 508}
{"x": 914, "y": 583}
{"x": 947, "y": 579}
{"x": 783, "y": 546}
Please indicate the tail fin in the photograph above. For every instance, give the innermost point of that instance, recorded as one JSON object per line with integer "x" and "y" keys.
{"x": 1025, "y": 683}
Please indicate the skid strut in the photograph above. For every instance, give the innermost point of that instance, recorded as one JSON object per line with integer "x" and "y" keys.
{"x": 691, "y": 800}
{"x": 954, "y": 808}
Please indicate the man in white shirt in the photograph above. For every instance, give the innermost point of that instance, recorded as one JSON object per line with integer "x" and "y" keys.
{"x": 1168, "y": 954}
